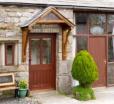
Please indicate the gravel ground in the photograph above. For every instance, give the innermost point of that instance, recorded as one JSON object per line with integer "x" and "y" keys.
{"x": 26, "y": 100}
{"x": 103, "y": 96}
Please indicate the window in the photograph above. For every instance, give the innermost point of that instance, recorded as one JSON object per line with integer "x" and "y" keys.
{"x": 46, "y": 46}
{"x": 81, "y": 43}
{"x": 35, "y": 51}
{"x": 41, "y": 51}
{"x": 110, "y": 29}
{"x": 110, "y": 25}
{"x": 97, "y": 24}
{"x": 111, "y": 49}
{"x": 82, "y": 23}
{"x": 9, "y": 54}
{"x": 88, "y": 23}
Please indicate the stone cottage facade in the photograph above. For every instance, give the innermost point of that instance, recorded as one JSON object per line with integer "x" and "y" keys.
{"x": 17, "y": 16}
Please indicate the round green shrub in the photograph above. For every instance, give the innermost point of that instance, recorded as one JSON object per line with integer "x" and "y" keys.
{"x": 84, "y": 69}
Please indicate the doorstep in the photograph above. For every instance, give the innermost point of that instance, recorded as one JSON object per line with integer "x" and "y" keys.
{"x": 44, "y": 91}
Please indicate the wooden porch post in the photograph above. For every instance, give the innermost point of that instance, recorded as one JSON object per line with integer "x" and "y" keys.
{"x": 24, "y": 42}
{"x": 65, "y": 34}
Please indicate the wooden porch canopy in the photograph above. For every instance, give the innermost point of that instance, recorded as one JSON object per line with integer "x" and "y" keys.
{"x": 50, "y": 15}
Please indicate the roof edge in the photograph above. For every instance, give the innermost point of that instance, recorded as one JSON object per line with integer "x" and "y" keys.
{"x": 40, "y": 14}
{"x": 74, "y": 7}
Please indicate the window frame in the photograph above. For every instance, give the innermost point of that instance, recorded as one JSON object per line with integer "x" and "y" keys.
{"x": 13, "y": 54}
{"x": 89, "y": 24}
{"x": 106, "y": 34}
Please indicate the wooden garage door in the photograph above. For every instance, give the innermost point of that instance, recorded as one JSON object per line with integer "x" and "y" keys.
{"x": 42, "y": 61}
{"x": 98, "y": 49}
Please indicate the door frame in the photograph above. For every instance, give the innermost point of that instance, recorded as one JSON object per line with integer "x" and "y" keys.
{"x": 36, "y": 35}
{"x": 106, "y": 41}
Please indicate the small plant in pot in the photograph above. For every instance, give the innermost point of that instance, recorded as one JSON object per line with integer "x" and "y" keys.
{"x": 22, "y": 88}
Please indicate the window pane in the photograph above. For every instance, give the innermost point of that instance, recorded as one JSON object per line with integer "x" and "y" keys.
{"x": 110, "y": 74}
{"x": 35, "y": 51}
{"x": 97, "y": 24}
{"x": 9, "y": 53}
{"x": 111, "y": 49}
{"x": 46, "y": 50}
{"x": 110, "y": 24}
{"x": 81, "y": 43}
{"x": 82, "y": 23}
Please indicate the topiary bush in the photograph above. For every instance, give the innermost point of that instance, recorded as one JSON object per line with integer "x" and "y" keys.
{"x": 84, "y": 69}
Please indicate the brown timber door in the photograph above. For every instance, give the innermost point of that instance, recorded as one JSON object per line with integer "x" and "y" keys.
{"x": 98, "y": 49}
{"x": 42, "y": 61}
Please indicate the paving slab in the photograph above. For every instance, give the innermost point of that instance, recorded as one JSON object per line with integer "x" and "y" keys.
{"x": 26, "y": 100}
{"x": 103, "y": 96}
{"x": 53, "y": 97}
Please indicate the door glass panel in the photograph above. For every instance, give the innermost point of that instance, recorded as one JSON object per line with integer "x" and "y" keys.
{"x": 97, "y": 24}
{"x": 35, "y": 51}
{"x": 46, "y": 50}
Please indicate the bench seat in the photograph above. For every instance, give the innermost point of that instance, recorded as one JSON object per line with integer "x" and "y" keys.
{"x": 13, "y": 87}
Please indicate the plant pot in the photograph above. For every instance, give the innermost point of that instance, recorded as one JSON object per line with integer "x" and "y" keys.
{"x": 22, "y": 92}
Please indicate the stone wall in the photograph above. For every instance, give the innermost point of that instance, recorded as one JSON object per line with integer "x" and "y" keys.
{"x": 10, "y": 18}
{"x": 64, "y": 80}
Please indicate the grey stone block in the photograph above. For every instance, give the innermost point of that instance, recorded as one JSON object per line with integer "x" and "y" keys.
{"x": 22, "y": 76}
{"x": 64, "y": 67}
{"x": 64, "y": 84}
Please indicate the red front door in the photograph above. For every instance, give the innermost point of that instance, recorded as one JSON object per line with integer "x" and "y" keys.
{"x": 98, "y": 49}
{"x": 42, "y": 61}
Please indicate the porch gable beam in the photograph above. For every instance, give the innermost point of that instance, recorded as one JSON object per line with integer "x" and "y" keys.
{"x": 65, "y": 35}
{"x": 24, "y": 42}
